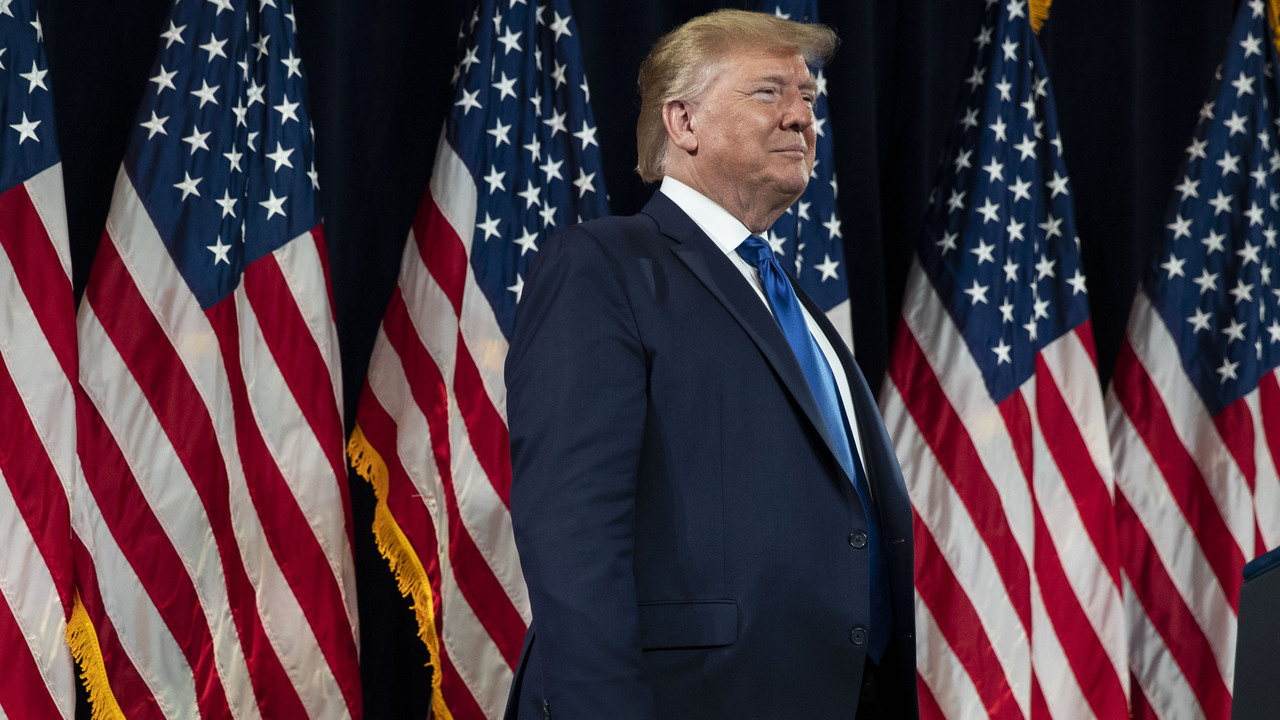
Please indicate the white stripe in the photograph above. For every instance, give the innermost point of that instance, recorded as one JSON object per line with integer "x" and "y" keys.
{"x": 169, "y": 492}
{"x": 961, "y": 381}
{"x": 298, "y": 455}
{"x": 47, "y": 394}
{"x": 473, "y": 653}
{"x": 1266, "y": 483}
{"x": 306, "y": 470}
{"x": 304, "y": 274}
{"x": 1057, "y": 680}
{"x": 1139, "y": 479}
{"x": 27, "y": 587}
{"x": 45, "y": 191}
{"x": 1076, "y": 378}
{"x": 455, "y": 193}
{"x": 942, "y": 671}
{"x": 141, "y": 631}
{"x": 842, "y": 317}
{"x": 1158, "y": 675}
{"x": 940, "y": 509}
{"x": 1159, "y": 355}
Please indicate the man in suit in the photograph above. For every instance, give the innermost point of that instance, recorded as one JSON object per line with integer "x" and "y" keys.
{"x": 710, "y": 517}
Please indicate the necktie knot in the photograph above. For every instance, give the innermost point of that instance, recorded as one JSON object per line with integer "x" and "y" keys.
{"x": 755, "y": 250}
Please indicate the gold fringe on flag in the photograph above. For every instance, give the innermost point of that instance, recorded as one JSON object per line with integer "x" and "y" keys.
{"x": 1039, "y": 10}
{"x": 83, "y": 640}
{"x": 1273, "y": 13}
{"x": 411, "y": 577}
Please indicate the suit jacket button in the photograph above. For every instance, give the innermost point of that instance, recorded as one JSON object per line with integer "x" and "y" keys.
{"x": 858, "y": 539}
{"x": 858, "y": 635}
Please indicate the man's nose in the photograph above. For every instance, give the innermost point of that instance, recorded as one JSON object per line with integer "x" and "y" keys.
{"x": 797, "y": 114}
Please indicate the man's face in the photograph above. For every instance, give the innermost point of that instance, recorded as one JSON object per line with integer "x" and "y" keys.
{"x": 755, "y": 124}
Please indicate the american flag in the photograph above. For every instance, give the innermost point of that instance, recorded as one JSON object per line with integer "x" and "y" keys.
{"x": 37, "y": 380}
{"x": 517, "y": 160}
{"x": 215, "y": 527}
{"x": 993, "y": 402}
{"x": 1194, "y": 404}
{"x": 808, "y": 238}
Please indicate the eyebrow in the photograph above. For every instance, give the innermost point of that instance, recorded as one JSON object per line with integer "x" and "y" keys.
{"x": 810, "y": 84}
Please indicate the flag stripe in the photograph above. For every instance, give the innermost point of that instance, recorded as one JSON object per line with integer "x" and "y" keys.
{"x": 38, "y": 268}
{"x": 25, "y": 692}
{"x": 1267, "y": 495}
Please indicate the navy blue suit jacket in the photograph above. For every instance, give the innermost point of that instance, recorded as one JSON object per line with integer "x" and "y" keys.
{"x": 690, "y": 543}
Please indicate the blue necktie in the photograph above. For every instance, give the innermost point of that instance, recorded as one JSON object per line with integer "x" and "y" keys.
{"x": 790, "y": 315}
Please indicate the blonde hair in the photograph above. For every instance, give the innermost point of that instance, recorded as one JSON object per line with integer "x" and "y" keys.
{"x": 683, "y": 62}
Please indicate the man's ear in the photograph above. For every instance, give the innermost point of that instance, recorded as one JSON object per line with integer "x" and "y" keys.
{"x": 677, "y": 116}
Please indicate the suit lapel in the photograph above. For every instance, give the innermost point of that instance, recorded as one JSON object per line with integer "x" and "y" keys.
{"x": 708, "y": 263}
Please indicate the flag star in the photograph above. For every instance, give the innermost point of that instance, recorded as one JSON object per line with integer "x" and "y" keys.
{"x": 219, "y": 250}
{"x": 1227, "y": 370}
{"x": 560, "y": 25}
{"x": 1265, "y": 271}
{"x": 469, "y": 58}
{"x": 214, "y": 47}
{"x": 1196, "y": 150}
{"x": 1051, "y": 226}
{"x": 552, "y": 169}
{"x": 1021, "y": 190}
{"x": 27, "y": 129}
{"x": 1199, "y": 321}
{"x": 1044, "y": 268}
{"x": 990, "y": 211}
{"x": 962, "y": 160}
{"x": 35, "y": 78}
{"x": 499, "y": 133}
{"x": 494, "y": 178}
{"x": 970, "y": 119}
{"x": 1017, "y": 8}
{"x": 287, "y": 110}
{"x": 1257, "y": 7}
{"x": 956, "y": 201}
{"x": 1206, "y": 110}
{"x": 1015, "y": 229}
{"x": 173, "y": 34}
{"x": 227, "y": 203}
{"x": 1213, "y": 242}
{"x": 1057, "y": 186}
{"x": 1027, "y": 147}
{"x": 1174, "y": 266}
{"x": 274, "y": 205}
{"x": 4, "y": 7}
{"x": 556, "y": 123}
{"x": 1234, "y": 331}
{"x": 1056, "y": 142}
{"x": 164, "y": 80}
{"x": 188, "y": 185}
{"x": 999, "y": 128}
{"x": 1207, "y": 281}
{"x": 518, "y": 288}
{"x": 535, "y": 148}
{"x": 197, "y": 139}
{"x": 531, "y": 194}
{"x": 234, "y": 156}
{"x": 1254, "y": 213}
{"x": 821, "y": 83}
{"x": 536, "y": 100}
{"x": 489, "y": 226}
{"x": 1243, "y": 85}
{"x": 828, "y": 268}
{"x": 1030, "y": 327}
{"x": 206, "y": 93}
{"x": 154, "y": 125}
{"x": 254, "y": 93}
{"x": 978, "y": 293}
{"x": 1270, "y": 235}
{"x": 1002, "y": 352}
{"x": 1010, "y": 49}
{"x": 1248, "y": 254}
{"x": 1030, "y": 106}
{"x": 510, "y": 41}
{"x": 1006, "y": 311}
{"x": 587, "y": 135}
{"x": 977, "y": 78}
{"x": 1181, "y": 227}
{"x": 984, "y": 36}
{"x": 802, "y": 209}
{"x": 293, "y": 65}
{"x": 1041, "y": 309}
{"x": 314, "y": 177}
{"x": 1259, "y": 177}
{"x": 833, "y": 227}
{"x": 1188, "y": 187}
{"x": 467, "y": 102}
{"x": 557, "y": 73}
{"x": 1077, "y": 283}
{"x": 1274, "y": 330}
{"x": 984, "y": 252}
{"x": 280, "y": 157}
{"x": 221, "y": 5}
{"x": 1010, "y": 270}
{"x": 1235, "y": 123}
{"x": 548, "y": 213}
{"x": 506, "y": 86}
{"x": 1221, "y": 204}
{"x": 585, "y": 182}
{"x": 1242, "y": 292}
{"x": 777, "y": 243}
{"x": 527, "y": 241}
{"x": 1004, "y": 86}
{"x": 995, "y": 170}
{"x": 947, "y": 242}
{"x": 1251, "y": 45}
{"x": 261, "y": 46}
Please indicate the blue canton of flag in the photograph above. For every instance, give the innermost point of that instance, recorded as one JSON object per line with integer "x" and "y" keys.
{"x": 222, "y": 152}
{"x": 807, "y": 237}
{"x": 26, "y": 105}
{"x": 531, "y": 144}
{"x": 1000, "y": 241}
{"x": 1211, "y": 281}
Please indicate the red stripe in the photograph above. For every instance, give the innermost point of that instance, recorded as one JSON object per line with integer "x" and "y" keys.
{"x": 1269, "y": 401}
{"x": 322, "y": 249}
{"x": 475, "y": 579}
{"x": 1235, "y": 426}
{"x": 1172, "y": 619}
{"x": 23, "y": 693}
{"x": 949, "y": 439}
{"x": 130, "y": 692}
{"x": 154, "y": 560}
{"x": 485, "y": 427}
{"x": 180, "y": 410}
{"x": 297, "y": 552}
{"x": 441, "y": 250}
{"x": 1141, "y": 708}
{"x": 1017, "y": 422}
{"x": 1088, "y": 488}
{"x": 1084, "y": 331}
{"x": 35, "y": 486}
{"x": 961, "y": 627}
{"x": 929, "y": 708}
{"x": 301, "y": 363}
{"x": 1142, "y": 402}
{"x": 1039, "y": 709}
{"x": 40, "y": 274}
{"x": 462, "y": 705}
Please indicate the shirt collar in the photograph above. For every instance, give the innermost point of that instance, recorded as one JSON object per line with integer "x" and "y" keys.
{"x": 725, "y": 230}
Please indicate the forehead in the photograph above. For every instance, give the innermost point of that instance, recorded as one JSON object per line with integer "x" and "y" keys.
{"x": 747, "y": 64}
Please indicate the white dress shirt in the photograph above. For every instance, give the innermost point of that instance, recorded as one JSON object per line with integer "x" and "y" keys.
{"x": 727, "y": 232}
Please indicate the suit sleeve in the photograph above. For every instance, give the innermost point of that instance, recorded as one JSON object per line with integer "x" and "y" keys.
{"x": 576, "y": 400}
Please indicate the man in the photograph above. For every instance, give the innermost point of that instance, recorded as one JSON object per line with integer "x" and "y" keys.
{"x": 693, "y": 448}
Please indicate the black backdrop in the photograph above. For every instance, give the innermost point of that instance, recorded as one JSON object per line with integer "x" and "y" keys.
{"x": 1129, "y": 78}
